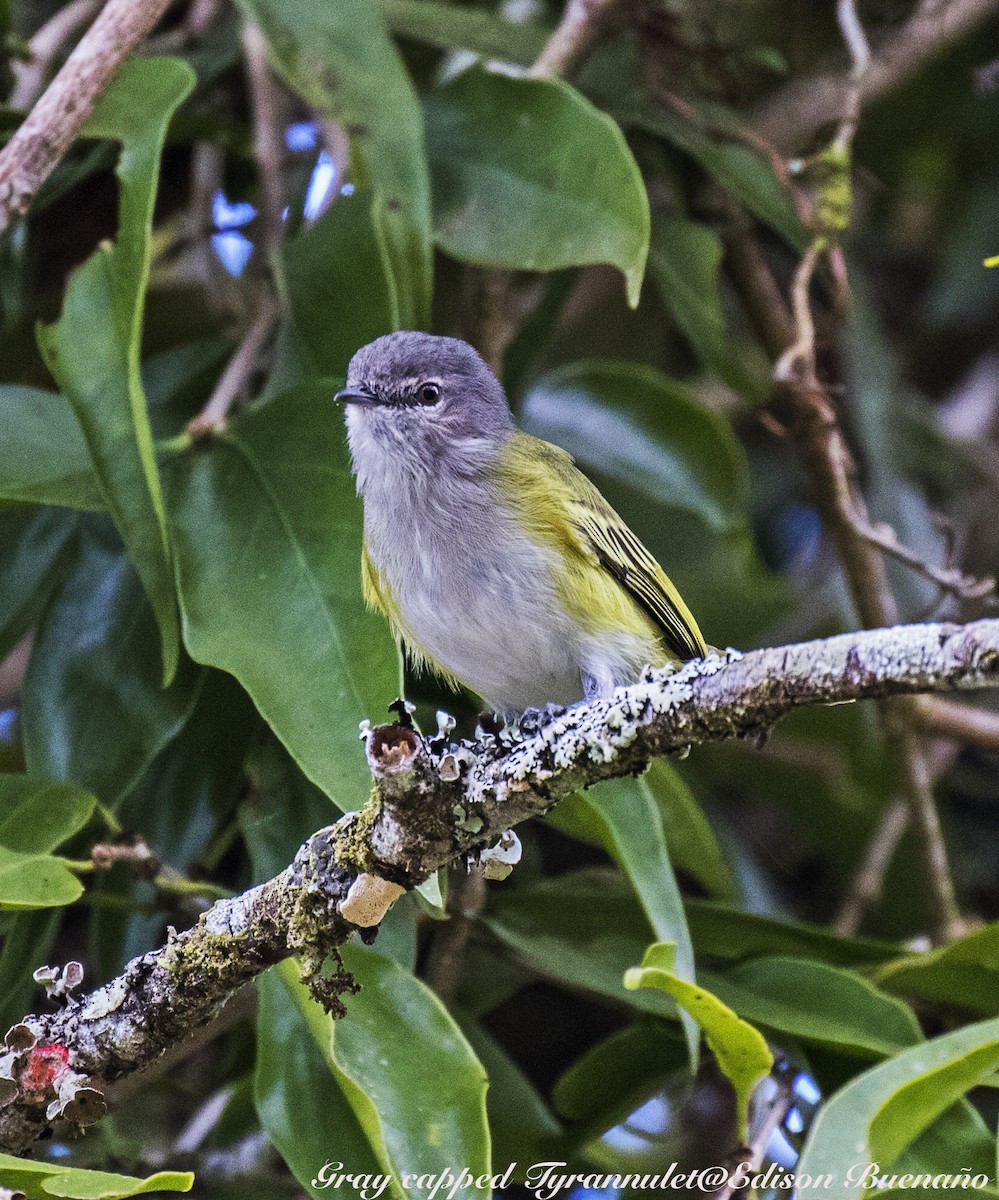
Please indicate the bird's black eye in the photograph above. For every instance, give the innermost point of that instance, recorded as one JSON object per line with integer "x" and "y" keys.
{"x": 429, "y": 393}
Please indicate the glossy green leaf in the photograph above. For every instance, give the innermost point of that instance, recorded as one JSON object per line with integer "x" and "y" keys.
{"x": 185, "y": 795}
{"x": 727, "y": 932}
{"x": 27, "y": 940}
{"x": 583, "y": 930}
{"x": 633, "y": 424}
{"x": 35, "y": 881}
{"x": 632, "y": 834}
{"x": 40, "y": 1179}
{"x": 339, "y": 258}
{"x": 500, "y": 145}
{"x": 959, "y": 1135}
{"x": 340, "y": 59}
{"x": 916, "y": 1104}
{"x": 453, "y": 26}
{"x": 267, "y": 534}
{"x": 742, "y": 1052}
{"x": 962, "y": 974}
{"x": 33, "y": 544}
{"x": 630, "y": 1061}
{"x": 298, "y": 1100}
{"x": 43, "y": 454}
{"x": 409, "y": 1076}
{"x": 408, "y": 1072}
{"x": 690, "y": 839}
{"x": 521, "y": 1125}
{"x": 685, "y": 262}
{"x": 37, "y": 814}
{"x": 94, "y": 708}
{"x": 840, "y": 1135}
{"x": 742, "y": 172}
{"x": 818, "y": 1003}
{"x": 93, "y": 349}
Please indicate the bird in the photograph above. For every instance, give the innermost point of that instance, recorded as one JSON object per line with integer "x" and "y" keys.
{"x": 497, "y": 563}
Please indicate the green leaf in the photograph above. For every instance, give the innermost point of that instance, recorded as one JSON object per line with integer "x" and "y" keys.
{"x": 962, "y": 974}
{"x": 500, "y": 145}
{"x": 93, "y": 349}
{"x": 583, "y": 930}
{"x": 453, "y": 26}
{"x": 340, "y": 59}
{"x": 841, "y": 1131}
{"x": 631, "y": 1061}
{"x": 33, "y": 542}
{"x": 412, "y": 1079}
{"x": 43, "y": 454}
{"x": 37, "y": 815}
{"x": 94, "y": 708}
{"x": 339, "y": 287}
{"x": 742, "y": 1052}
{"x": 40, "y": 1179}
{"x": 915, "y": 1105}
{"x": 521, "y": 1125}
{"x": 298, "y": 1100}
{"x": 27, "y": 940}
{"x": 634, "y": 425}
{"x": 35, "y": 881}
{"x": 742, "y": 172}
{"x": 686, "y": 260}
{"x": 690, "y": 839}
{"x": 632, "y": 834}
{"x": 726, "y": 932}
{"x": 267, "y": 535}
{"x": 409, "y": 1076}
{"x": 818, "y": 1003}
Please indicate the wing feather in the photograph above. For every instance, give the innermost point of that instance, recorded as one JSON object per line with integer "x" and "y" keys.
{"x": 601, "y": 536}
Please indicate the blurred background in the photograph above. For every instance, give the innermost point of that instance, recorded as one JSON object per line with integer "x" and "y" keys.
{"x": 329, "y": 173}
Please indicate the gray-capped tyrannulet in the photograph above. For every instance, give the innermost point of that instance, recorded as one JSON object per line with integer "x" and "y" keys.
{"x": 495, "y": 560}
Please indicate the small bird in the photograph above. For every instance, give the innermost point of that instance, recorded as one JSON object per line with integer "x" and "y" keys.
{"x": 497, "y": 562}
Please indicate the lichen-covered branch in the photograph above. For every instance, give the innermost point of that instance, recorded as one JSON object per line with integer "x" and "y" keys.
{"x": 47, "y": 132}
{"x": 431, "y": 805}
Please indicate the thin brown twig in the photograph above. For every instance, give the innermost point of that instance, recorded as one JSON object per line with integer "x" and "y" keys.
{"x": 807, "y": 408}
{"x": 466, "y": 898}
{"x": 582, "y": 22}
{"x": 234, "y": 378}
{"x": 792, "y": 117}
{"x": 751, "y": 1156}
{"x": 940, "y": 717}
{"x": 45, "y": 135}
{"x": 948, "y": 579}
{"x": 43, "y": 48}
{"x": 267, "y": 140}
{"x": 867, "y": 885}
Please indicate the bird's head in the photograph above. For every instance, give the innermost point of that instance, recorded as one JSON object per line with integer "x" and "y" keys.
{"x": 422, "y": 405}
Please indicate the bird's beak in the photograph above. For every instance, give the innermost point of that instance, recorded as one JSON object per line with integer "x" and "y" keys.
{"x": 355, "y": 395}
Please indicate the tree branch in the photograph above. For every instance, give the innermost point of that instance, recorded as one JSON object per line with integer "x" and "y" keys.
{"x": 792, "y": 117}
{"x": 582, "y": 22}
{"x": 418, "y": 820}
{"x": 49, "y": 129}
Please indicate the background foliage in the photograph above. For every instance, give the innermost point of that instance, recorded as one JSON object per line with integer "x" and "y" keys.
{"x": 187, "y": 657}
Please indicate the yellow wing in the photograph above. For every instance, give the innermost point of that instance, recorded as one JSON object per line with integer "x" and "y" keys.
{"x": 548, "y": 476}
